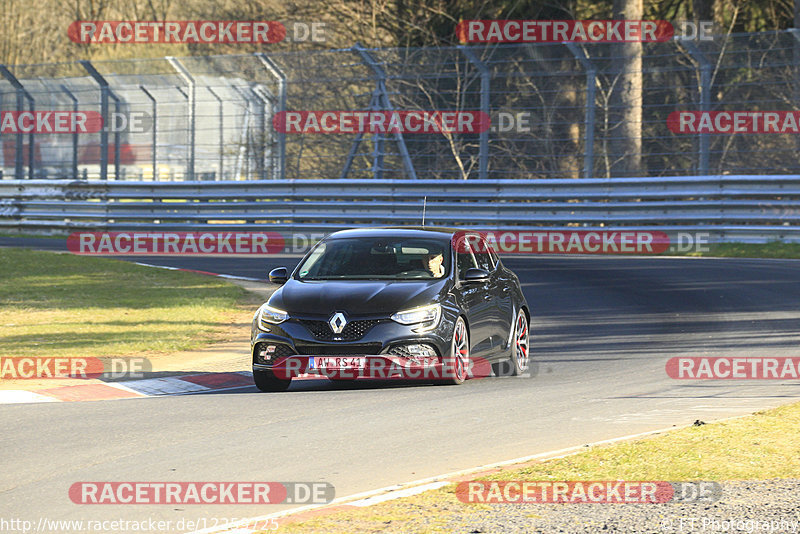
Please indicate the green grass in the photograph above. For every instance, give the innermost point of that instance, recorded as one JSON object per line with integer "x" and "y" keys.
{"x": 773, "y": 249}
{"x": 65, "y": 305}
{"x": 763, "y": 446}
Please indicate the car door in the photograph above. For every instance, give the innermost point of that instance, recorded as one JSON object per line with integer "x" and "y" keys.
{"x": 476, "y": 301}
{"x": 504, "y": 298}
{"x": 499, "y": 322}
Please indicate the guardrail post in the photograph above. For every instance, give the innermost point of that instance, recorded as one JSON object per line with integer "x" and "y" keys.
{"x": 74, "y": 134}
{"x": 380, "y": 80}
{"x": 189, "y": 79}
{"x": 483, "y": 165}
{"x": 705, "y": 102}
{"x": 279, "y": 75}
{"x": 22, "y": 95}
{"x": 588, "y": 123}
{"x": 155, "y": 131}
{"x": 221, "y": 132}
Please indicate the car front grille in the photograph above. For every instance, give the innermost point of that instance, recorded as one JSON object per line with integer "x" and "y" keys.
{"x": 403, "y": 352}
{"x": 352, "y": 331}
{"x": 336, "y": 350}
{"x": 400, "y": 350}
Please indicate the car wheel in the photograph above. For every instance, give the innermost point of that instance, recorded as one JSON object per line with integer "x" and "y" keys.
{"x": 457, "y": 366}
{"x": 267, "y": 381}
{"x": 519, "y": 358}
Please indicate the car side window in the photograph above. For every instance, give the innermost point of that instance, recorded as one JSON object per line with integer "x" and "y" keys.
{"x": 465, "y": 260}
{"x": 483, "y": 258}
{"x": 495, "y": 257}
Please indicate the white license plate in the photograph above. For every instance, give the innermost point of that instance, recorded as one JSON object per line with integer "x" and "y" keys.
{"x": 337, "y": 362}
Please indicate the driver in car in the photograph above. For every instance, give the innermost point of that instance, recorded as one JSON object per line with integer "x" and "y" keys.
{"x": 433, "y": 262}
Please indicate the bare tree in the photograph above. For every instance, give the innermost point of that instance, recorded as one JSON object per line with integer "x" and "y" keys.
{"x": 626, "y": 101}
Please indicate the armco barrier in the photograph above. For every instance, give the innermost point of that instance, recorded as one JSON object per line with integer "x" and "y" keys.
{"x": 740, "y": 208}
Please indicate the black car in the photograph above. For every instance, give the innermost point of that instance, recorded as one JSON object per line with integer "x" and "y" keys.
{"x": 410, "y": 303}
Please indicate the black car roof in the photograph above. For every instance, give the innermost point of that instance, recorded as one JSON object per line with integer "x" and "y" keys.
{"x": 397, "y": 231}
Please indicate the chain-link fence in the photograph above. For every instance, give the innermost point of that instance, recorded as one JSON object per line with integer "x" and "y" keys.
{"x": 557, "y": 111}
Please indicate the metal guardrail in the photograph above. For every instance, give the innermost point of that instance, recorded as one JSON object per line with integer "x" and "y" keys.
{"x": 742, "y": 208}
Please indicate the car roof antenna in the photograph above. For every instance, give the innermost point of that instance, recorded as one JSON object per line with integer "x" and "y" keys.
{"x": 424, "y": 204}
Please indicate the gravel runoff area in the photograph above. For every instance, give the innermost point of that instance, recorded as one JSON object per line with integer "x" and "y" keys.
{"x": 745, "y": 506}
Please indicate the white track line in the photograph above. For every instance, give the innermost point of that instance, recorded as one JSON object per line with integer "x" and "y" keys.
{"x": 399, "y": 494}
{"x": 19, "y": 396}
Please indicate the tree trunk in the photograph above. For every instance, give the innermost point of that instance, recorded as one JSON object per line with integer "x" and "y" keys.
{"x": 702, "y": 10}
{"x": 626, "y": 98}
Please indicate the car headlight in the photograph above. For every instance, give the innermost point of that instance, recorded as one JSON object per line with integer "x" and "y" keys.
{"x": 269, "y": 315}
{"x": 427, "y": 315}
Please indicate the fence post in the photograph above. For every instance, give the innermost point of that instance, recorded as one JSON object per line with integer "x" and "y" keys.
{"x": 281, "y": 78}
{"x": 380, "y": 80}
{"x": 261, "y": 127}
{"x": 74, "y": 134}
{"x": 117, "y": 136}
{"x": 244, "y": 146}
{"x": 588, "y": 126}
{"x": 104, "y": 91}
{"x": 705, "y": 102}
{"x": 155, "y": 131}
{"x": 22, "y": 95}
{"x": 221, "y": 131}
{"x": 483, "y": 172}
{"x": 189, "y": 79}
{"x": 796, "y": 63}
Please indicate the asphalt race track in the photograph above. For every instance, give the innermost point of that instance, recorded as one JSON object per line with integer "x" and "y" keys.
{"x": 603, "y": 329}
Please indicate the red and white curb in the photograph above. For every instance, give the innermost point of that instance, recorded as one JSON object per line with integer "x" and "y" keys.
{"x": 148, "y": 387}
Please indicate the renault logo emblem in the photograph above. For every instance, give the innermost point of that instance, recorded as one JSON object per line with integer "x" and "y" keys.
{"x": 337, "y": 322}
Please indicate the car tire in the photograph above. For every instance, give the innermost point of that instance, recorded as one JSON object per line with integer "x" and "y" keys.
{"x": 518, "y": 361}
{"x": 266, "y": 381}
{"x": 457, "y": 365}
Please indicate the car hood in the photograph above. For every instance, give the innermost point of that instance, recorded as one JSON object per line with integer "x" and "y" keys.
{"x": 356, "y": 297}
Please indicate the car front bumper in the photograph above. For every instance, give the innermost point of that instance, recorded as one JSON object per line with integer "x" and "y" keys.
{"x": 379, "y": 352}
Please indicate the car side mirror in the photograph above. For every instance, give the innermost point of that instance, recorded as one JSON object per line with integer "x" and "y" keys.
{"x": 476, "y": 275}
{"x": 279, "y": 275}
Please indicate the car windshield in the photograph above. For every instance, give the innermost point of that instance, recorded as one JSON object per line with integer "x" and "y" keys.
{"x": 377, "y": 259}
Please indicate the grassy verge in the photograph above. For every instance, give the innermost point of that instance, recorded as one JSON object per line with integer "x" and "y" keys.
{"x": 763, "y": 446}
{"x": 64, "y": 305}
{"x": 774, "y": 249}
